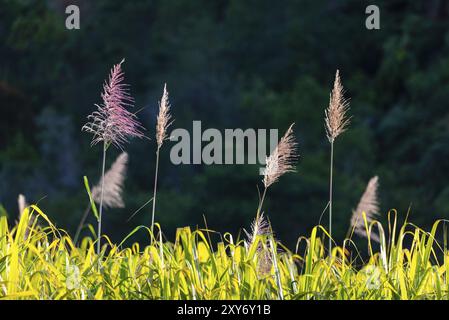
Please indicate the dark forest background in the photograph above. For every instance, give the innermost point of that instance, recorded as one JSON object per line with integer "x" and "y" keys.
{"x": 230, "y": 64}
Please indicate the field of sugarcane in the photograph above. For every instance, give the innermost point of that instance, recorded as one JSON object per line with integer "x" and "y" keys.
{"x": 40, "y": 261}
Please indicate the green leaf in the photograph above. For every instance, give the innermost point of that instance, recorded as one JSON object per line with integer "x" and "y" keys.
{"x": 91, "y": 199}
{"x": 3, "y": 212}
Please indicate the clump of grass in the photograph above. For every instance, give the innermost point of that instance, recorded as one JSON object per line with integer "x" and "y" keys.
{"x": 48, "y": 265}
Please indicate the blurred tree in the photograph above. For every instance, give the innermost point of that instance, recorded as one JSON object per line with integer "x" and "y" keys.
{"x": 230, "y": 64}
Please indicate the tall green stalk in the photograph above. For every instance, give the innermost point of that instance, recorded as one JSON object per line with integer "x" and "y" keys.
{"x": 330, "y": 196}
{"x": 112, "y": 123}
{"x": 259, "y": 208}
{"x": 101, "y": 199}
{"x": 155, "y": 191}
{"x": 163, "y": 122}
{"x": 336, "y": 122}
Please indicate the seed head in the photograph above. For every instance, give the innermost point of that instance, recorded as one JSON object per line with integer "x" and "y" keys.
{"x": 163, "y": 118}
{"x": 368, "y": 204}
{"x": 260, "y": 227}
{"x": 282, "y": 159}
{"x": 112, "y": 123}
{"x": 113, "y": 184}
{"x": 336, "y": 120}
{"x": 22, "y": 203}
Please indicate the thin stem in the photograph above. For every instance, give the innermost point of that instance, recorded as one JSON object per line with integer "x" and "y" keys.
{"x": 351, "y": 229}
{"x": 349, "y": 232}
{"x": 261, "y": 203}
{"x": 330, "y": 197}
{"x": 101, "y": 200}
{"x": 80, "y": 226}
{"x": 155, "y": 191}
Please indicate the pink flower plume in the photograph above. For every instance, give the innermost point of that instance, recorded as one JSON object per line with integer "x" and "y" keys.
{"x": 112, "y": 123}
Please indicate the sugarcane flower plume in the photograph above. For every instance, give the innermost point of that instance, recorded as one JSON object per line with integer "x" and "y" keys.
{"x": 112, "y": 123}
{"x": 369, "y": 204}
{"x": 336, "y": 119}
{"x": 282, "y": 159}
{"x": 163, "y": 118}
{"x": 22, "y": 204}
{"x": 113, "y": 184}
{"x": 259, "y": 227}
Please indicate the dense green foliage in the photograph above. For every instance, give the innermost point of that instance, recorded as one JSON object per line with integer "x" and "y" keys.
{"x": 231, "y": 64}
{"x": 42, "y": 262}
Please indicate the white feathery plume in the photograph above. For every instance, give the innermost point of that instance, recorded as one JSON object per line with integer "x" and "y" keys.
{"x": 260, "y": 227}
{"x": 113, "y": 184}
{"x": 369, "y": 204}
{"x": 163, "y": 118}
{"x": 21, "y": 201}
{"x": 336, "y": 119}
{"x": 282, "y": 159}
